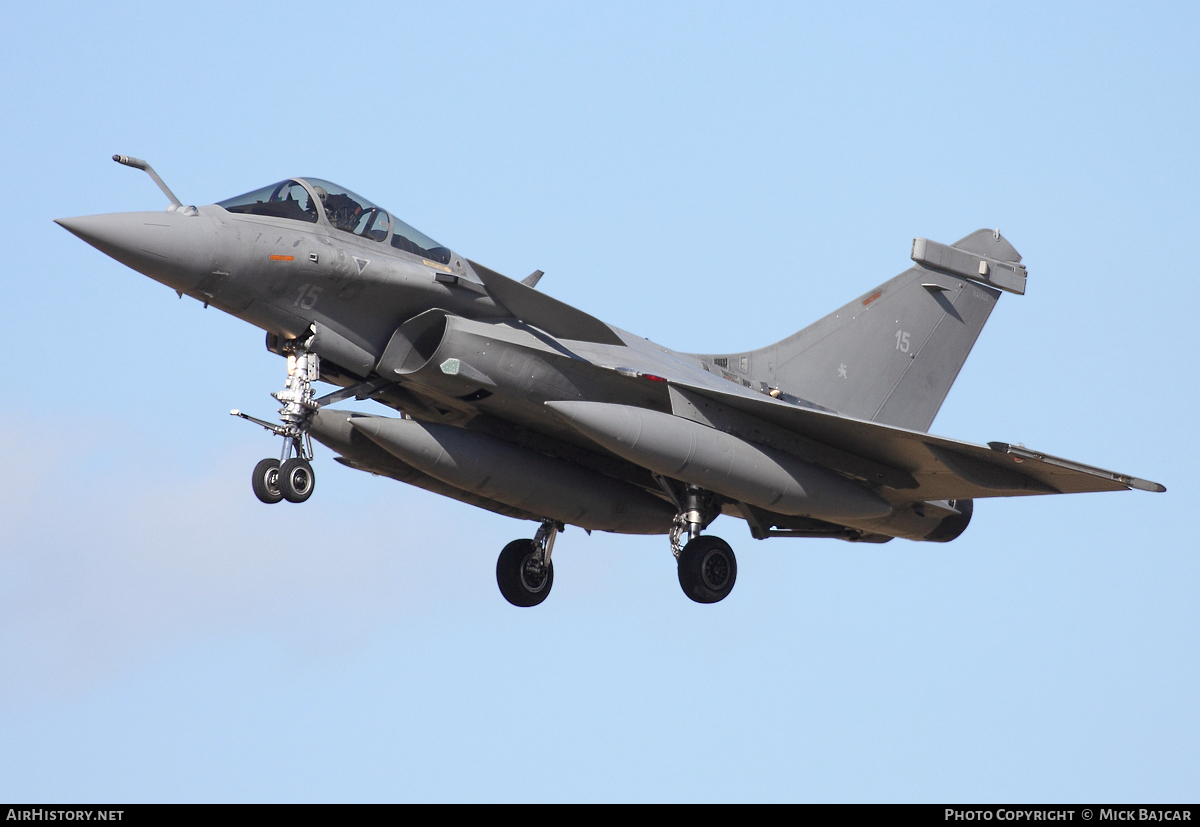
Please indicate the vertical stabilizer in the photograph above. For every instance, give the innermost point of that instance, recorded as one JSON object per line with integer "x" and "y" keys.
{"x": 892, "y": 354}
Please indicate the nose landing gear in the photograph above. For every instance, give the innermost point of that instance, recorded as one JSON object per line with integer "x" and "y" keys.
{"x": 290, "y": 477}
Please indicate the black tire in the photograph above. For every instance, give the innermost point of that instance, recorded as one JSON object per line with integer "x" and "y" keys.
{"x": 296, "y": 480}
{"x": 707, "y": 569}
{"x": 518, "y": 577}
{"x": 266, "y": 481}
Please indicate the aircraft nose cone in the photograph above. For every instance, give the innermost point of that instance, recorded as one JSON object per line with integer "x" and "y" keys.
{"x": 124, "y": 236}
{"x": 170, "y": 248}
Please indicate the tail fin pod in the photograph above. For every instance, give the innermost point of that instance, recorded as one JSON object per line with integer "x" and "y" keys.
{"x": 891, "y": 355}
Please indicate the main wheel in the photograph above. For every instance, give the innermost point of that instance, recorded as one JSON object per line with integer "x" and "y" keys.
{"x": 707, "y": 569}
{"x": 266, "y": 481}
{"x": 296, "y": 480}
{"x": 522, "y": 580}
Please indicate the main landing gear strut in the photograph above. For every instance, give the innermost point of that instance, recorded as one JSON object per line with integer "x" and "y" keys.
{"x": 707, "y": 566}
{"x": 291, "y": 476}
{"x": 524, "y": 571}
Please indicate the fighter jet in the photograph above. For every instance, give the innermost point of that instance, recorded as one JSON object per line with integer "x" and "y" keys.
{"x": 510, "y": 400}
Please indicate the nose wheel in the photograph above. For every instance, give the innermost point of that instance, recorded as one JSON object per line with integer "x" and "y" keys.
{"x": 265, "y": 481}
{"x": 292, "y": 480}
{"x": 296, "y": 480}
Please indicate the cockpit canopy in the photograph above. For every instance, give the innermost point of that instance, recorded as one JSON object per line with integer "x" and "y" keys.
{"x": 308, "y": 199}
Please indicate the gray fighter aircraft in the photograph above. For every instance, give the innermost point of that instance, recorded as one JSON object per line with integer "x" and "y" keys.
{"x": 518, "y": 403}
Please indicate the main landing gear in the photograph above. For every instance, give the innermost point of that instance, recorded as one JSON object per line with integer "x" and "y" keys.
{"x": 291, "y": 476}
{"x": 524, "y": 571}
{"x": 707, "y": 566}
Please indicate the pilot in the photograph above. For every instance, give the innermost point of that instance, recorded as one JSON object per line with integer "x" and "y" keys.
{"x": 342, "y": 210}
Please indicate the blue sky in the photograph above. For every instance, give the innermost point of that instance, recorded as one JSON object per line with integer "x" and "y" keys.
{"x": 713, "y": 177}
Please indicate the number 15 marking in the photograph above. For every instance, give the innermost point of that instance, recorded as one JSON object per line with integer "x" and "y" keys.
{"x": 307, "y": 297}
{"x": 902, "y": 341}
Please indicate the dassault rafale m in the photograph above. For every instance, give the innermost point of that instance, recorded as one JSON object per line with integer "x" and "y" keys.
{"x": 513, "y": 401}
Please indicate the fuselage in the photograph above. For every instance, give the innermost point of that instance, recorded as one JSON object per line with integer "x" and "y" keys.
{"x": 516, "y": 402}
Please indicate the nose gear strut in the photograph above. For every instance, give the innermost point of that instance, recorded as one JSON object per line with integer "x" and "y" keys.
{"x": 291, "y": 477}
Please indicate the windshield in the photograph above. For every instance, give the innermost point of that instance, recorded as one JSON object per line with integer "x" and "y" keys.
{"x": 409, "y": 240}
{"x": 351, "y": 213}
{"x": 345, "y": 210}
{"x": 287, "y": 199}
